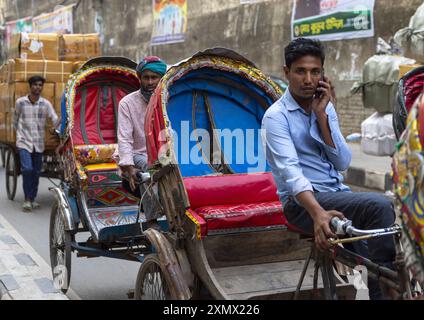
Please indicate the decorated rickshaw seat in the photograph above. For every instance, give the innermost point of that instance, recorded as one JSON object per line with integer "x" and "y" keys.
{"x": 94, "y": 154}
{"x": 235, "y": 201}
{"x": 241, "y": 193}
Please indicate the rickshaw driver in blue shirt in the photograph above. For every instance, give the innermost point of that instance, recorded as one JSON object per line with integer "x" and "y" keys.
{"x": 131, "y": 137}
{"x": 306, "y": 152}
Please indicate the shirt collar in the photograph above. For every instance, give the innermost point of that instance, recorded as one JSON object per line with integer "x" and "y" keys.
{"x": 292, "y": 105}
{"x": 290, "y": 102}
{"x": 29, "y": 100}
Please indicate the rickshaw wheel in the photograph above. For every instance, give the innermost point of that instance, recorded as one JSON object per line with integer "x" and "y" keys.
{"x": 3, "y": 156}
{"x": 151, "y": 282}
{"x": 60, "y": 250}
{"x": 11, "y": 174}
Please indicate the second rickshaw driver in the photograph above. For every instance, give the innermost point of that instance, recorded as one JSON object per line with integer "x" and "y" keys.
{"x": 131, "y": 137}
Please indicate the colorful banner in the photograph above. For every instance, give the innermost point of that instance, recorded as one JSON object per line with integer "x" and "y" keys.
{"x": 58, "y": 21}
{"x": 328, "y": 20}
{"x": 169, "y": 21}
{"x": 17, "y": 26}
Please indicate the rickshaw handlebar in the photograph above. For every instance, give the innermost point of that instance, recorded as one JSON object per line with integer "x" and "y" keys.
{"x": 345, "y": 227}
{"x": 143, "y": 177}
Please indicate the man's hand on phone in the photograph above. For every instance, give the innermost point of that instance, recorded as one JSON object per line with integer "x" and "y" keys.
{"x": 320, "y": 100}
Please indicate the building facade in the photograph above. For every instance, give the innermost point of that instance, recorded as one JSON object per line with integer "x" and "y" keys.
{"x": 259, "y": 31}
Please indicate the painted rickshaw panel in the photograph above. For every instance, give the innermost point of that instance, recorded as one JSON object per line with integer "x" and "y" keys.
{"x": 91, "y": 100}
{"x": 408, "y": 168}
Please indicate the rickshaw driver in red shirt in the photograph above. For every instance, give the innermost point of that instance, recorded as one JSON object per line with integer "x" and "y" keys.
{"x": 131, "y": 137}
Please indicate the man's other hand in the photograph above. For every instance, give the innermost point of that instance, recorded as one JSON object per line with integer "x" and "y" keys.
{"x": 131, "y": 173}
{"x": 322, "y": 228}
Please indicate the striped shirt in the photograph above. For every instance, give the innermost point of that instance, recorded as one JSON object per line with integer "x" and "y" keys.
{"x": 30, "y": 121}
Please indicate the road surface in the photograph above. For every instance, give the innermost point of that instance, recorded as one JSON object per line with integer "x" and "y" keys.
{"x": 94, "y": 278}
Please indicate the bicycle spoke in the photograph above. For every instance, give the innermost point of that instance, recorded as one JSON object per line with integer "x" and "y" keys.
{"x": 154, "y": 286}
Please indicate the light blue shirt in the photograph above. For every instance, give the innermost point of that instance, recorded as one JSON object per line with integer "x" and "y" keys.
{"x": 299, "y": 158}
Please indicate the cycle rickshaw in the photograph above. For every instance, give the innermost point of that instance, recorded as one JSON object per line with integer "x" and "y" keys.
{"x": 225, "y": 235}
{"x": 90, "y": 196}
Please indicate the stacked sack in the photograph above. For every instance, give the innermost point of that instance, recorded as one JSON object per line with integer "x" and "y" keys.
{"x": 379, "y": 86}
{"x": 411, "y": 38}
{"x": 52, "y": 56}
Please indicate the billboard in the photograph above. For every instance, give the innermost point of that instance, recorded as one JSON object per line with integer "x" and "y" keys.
{"x": 58, "y": 21}
{"x": 169, "y": 21}
{"x": 329, "y": 20}
{"x": 17, "y": 26}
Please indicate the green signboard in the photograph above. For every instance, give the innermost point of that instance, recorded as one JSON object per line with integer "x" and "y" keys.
{"x": 333, "y": 19}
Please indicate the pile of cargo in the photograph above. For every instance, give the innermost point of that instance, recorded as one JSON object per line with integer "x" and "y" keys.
{"x": 385, "y": 84}
{"x": 52, "y": 56}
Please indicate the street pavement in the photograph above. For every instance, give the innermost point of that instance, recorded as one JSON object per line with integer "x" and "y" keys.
{"x": 367, "y": 171}
{"x": 95, "y": 278}
{"x": 23, "y": 273}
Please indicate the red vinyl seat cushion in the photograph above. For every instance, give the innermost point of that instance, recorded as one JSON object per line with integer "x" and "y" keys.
{"x": 235, "y": 201}
{"x": 248, "y": 215}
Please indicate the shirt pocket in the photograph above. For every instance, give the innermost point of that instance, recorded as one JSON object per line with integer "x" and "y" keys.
{"x": 299, "y": 125}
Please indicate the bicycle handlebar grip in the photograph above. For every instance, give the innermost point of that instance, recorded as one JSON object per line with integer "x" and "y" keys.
{"x": 340, "y": 226}
{"x": 334, "y": 224}
{"x": 143, "y": 177}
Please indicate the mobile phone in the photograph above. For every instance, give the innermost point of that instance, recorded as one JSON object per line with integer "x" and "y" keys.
{"x": 318, "y": 93}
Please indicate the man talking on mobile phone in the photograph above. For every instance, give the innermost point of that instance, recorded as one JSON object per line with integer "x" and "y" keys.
{"x": 306, "y": 152}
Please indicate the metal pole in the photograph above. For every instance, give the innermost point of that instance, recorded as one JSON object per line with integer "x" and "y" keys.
{"x": 302, "y": 276}
{"x": 330, "y": 292}
{"x": 405, "y": 284}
